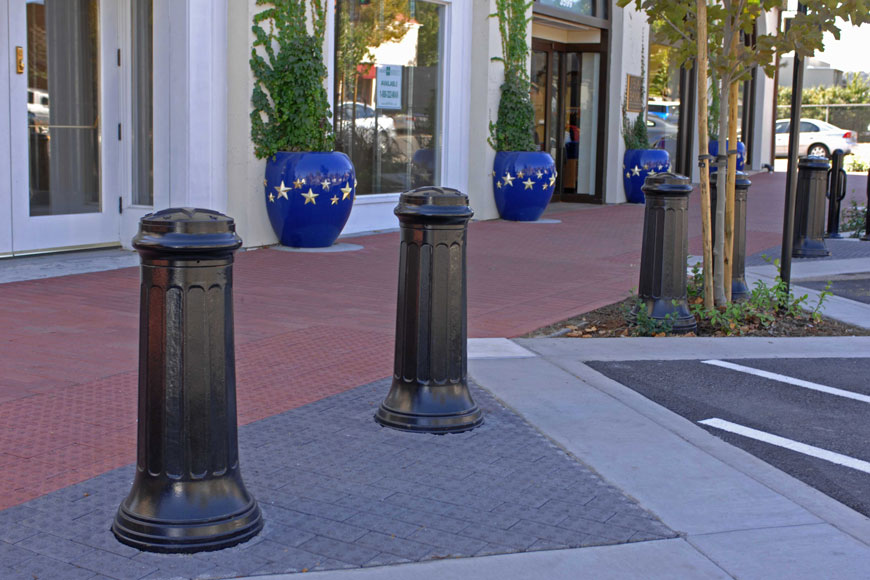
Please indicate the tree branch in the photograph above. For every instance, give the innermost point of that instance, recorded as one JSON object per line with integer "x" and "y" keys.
{"x": 675, "y": 28}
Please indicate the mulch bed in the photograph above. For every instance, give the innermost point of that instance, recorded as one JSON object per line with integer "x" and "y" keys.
{"x": 609, "y": 322}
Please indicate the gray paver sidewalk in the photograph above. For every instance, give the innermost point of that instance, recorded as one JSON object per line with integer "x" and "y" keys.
{"x": 339, "y": 491}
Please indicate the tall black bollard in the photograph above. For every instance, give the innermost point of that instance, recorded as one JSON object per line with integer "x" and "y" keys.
{"x": 866, "y": 236}
{"x": 662, "y": 285}
{"x": 188, "y": 494}
{"x": 836, "y": 192}
{"x": 430, "y": 392}
{"x": 809, "y": 212}
{"x": 739, "y": 288}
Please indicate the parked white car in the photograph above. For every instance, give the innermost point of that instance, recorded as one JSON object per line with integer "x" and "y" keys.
{"x": 815, "y": 138}
{"x": 366, "y": 117}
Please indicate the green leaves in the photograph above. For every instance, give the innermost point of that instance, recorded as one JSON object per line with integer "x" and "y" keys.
{"x": 290, "y": 104}
{"x": 514, "y": 127}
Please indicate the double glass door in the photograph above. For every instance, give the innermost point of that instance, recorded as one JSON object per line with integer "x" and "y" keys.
{"x": 63, "y": 124}
{"x": 566, "y": 81}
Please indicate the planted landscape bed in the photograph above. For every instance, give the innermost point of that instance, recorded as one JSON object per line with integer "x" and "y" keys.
{"x": 770, "y": 312}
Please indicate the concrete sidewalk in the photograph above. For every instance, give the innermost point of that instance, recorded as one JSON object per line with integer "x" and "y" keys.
{"x": 736, "y": 516}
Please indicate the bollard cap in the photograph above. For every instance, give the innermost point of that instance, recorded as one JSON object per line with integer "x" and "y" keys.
{"x": 187, "y": 229}
{"x": 667, "y": 184}
{"x": 814, "y": 162}
{"x": 742, "y": 180}
{"x": 438, "y": 203}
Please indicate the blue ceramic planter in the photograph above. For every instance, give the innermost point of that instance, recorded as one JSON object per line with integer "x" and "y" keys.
{"x": 309, "y": 197}
{"x": 523, "y": 182}
{"x": 713, "y": 149}
{"x": 637, "y": 164}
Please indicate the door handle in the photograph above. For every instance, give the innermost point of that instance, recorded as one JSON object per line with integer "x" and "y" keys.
{"x": 19, "y": 60}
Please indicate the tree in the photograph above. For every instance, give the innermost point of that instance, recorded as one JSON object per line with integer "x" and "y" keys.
{"x": 731, "y": 61}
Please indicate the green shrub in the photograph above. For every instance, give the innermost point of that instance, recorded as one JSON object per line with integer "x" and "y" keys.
{"x": 514, "y": 127}
{"x": 290, "y": 104}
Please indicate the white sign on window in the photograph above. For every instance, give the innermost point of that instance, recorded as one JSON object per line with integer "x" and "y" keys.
{"x": 389, "y": 86}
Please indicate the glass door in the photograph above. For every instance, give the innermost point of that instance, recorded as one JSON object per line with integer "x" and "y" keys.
{"x": 580, "y": 113}
{"x": 565, "y": 94}
{"x": 64, "y": 124}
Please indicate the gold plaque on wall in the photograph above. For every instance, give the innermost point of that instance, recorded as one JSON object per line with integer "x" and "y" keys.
{"x": 634, "y": 93}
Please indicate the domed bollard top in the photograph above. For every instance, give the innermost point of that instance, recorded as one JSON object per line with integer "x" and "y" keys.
{"x": 188, "y": 494}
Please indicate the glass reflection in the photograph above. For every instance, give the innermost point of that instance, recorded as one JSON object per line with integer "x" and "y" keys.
{"x": 663, "y": 107}
{"x": 63, "y": 105}
{"x": 388, "y": 92}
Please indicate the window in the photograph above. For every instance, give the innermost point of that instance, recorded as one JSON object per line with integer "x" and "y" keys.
{"x": 143, "y": 103}
{"x": 807, "y": 127}
{"x": 782, "y": 127}
{"x": 388, "y": 93}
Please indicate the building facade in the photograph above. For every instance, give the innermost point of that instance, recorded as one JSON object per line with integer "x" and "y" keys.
{"x": 111, "y": 109}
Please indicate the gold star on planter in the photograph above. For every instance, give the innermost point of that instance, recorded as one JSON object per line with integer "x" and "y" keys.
{"x": 298, "y": 183}
{"x": 635, "y": 170}
{"x": 652, "y": 172}
{"x": 508, "y": 180}
{"x": 529, "y": 183}
{"x": 553, "y": 179}
{"x": 265, "y": 183}
{"x": 345, "y": 191}
{"x": 355, "y": 182}
{"x": 310, "y": 197}
{"x": 271, "y": 198}
{"x": 521, "y": 174}
{"x": 539, "y": 174}
{"x": 334, "y": 200}
{"x": 325, "y": 184}
{"x": 282, "y": 191}
{"x": 498, "y": 184}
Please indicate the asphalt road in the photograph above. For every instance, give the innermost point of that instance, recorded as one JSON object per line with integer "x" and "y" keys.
{"x": 700, "y": 391}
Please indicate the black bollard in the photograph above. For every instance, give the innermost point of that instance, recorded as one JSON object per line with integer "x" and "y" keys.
{"x": 188, "y": 494}
{"x": 739, "y": 288}
{"x": 662, "y": 285}
{"x": 866, "y": 236}
{"x": 836, "y": 193}
{"x": 430, "y": 392}
{"x": 809, "y": 213}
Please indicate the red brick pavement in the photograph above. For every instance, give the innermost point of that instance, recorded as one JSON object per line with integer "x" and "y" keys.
{"x": 307, "y": 326}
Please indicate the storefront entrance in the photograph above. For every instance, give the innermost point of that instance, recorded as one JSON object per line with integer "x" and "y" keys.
{"x": 567, "y": 81}
{"x": 63, "y": 115}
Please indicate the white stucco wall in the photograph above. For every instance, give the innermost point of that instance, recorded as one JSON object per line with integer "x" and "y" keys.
{"x": 630, "y": 39}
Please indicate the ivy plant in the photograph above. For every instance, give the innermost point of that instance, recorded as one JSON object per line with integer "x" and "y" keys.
{"x": 514, "y": 127}
{"x": 635, "y": 133}
{"x": 290, "y": 105}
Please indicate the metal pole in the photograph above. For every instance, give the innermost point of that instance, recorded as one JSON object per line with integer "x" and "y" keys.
{"x": 797, "y": 88}
{"x": 866, "y": 236}
{"x": 836, "y": 192}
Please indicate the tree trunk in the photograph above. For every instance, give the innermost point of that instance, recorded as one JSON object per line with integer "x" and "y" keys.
{"x": 703, "y": 152}
{"x": 729, "y": 188}
{"x": 721, "y": 171}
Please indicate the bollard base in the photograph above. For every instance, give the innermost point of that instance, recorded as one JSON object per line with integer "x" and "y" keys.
{"x": 662, "y": 310}
{"x": 739, "y": 290}
{"x": 438, "y": 424}
{"x": 810, "y": 249}
{"x": 178, "y": 537}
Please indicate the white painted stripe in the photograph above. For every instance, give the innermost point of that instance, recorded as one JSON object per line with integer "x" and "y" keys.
{"x": 817, "y": 452}
{"x": 789, "y": 380}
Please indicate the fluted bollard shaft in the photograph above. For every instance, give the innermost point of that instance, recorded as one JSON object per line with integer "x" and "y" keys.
{"x": 809, "y": 209}
{"x": 188, "y": 493}
{"x": 429, "y": 392}
{"x": 662, "y": 284}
